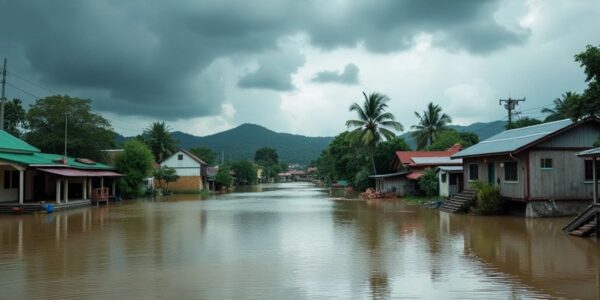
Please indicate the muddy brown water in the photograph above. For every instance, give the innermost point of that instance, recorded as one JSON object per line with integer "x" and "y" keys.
{"x": 289, "y": 241}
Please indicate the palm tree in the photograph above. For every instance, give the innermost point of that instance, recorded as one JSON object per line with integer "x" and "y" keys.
{"x": 374, "y": 124}
{"x": 563, "y": 107}
{"x": 431, "y": 124}
{"x": 158, "y": 138}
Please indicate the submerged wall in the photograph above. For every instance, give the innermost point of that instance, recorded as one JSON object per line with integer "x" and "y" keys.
{"x": 555, "y": 208}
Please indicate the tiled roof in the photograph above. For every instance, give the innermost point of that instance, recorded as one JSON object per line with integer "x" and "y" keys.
{"x": 515, "y": 139}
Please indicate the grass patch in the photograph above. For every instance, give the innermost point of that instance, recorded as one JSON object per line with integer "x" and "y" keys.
{"x": 418, "y": 200}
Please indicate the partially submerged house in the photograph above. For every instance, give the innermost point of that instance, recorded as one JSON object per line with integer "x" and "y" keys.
{"x": 537, "y": 166}
{"x": 192, "y": 171}
{"x": 30, "y": 177}
{"x": 408, "y": 166}
{"x": 451, "y": 180}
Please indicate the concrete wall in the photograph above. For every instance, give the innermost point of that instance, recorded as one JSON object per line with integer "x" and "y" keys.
{"x": 536, "y": 209}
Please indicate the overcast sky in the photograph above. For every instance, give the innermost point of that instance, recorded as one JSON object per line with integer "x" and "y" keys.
{"x": 294, "y": 66}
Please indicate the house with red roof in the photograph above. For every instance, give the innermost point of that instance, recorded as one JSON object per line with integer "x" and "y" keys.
{"x": 408, "y": 166}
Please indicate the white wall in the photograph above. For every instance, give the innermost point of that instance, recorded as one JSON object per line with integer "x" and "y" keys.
{"x": 185, "y": 167}
{"x": 444, "y": 186}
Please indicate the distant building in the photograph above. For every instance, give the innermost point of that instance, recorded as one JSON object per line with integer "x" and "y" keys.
{"x": 191, "y": 169}
{"x": 408, "y": 166}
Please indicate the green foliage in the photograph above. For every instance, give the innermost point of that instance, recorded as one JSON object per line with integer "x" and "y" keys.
{"x": 564, "y": 107}
{"x": 165, "y": 175}
{"x": 267, "y": 158}
{"x": 135, "y": 162}
{"x": 373, "y": 124}
{"x": 597, "y": 142}
{"x": 523, "y": 122}
{"x": 206, "y": 154}
{"x": 429, "y": 182}
{"x": 431, "y": 124}
{"x": 245, "y": 172}
{"x": 489, "y": 200}
{"x": 158, "y": 138}
{"x": 14, "y": 117}
{"x": 361, "y": 179}
{"x": 450, "y": 137}
{"x": 589, "y": 104}
{"x": 385, "y": 151}
{"x": 223, "y": 178}
{"x": 88, "y": 133}
{"x": 341, "y": 160}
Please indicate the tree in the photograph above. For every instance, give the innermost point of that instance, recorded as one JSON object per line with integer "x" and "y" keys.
{"x": 564, "y": 107}
{"x": 589, "y": 104}
{"x": 223, "y": 178}
{"x": 266, "y": 156}
{"x": 245, "y": 171}
{"x": 88, "y": 133}
{"x": 14, "y": 117}
{"x": 165, "y": 175}
{"x": 206, "y": 154}
{"x": 385, "y": 152}
{"x": 373, "y": 123}
{"x": 135, "y": 162}
{"x": 158, "y": 137}
{"x": 341, "y": 159}
{"x": 451, "y": 137}
{"x": 523, "y": 122}
{"x": 429, "y": 183}
{"x": 431, "y": 123}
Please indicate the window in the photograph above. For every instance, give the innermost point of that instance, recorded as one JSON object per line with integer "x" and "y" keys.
{"x": 589, "y": 176}
{"x": 511, "y": 171}
{"x": 444, "y": 177}
{"x": 180, "y": 157}
{"x": 11, "y": 179}
{"x": 473, "y": 171}
{"x": 546, "y": 163}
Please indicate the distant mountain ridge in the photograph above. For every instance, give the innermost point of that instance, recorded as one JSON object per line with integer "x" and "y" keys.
{"x": 242, "y": 142}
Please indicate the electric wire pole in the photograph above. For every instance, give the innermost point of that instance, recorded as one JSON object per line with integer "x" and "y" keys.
{"x": 510, "y": 106}
{"x": 2, "y": 98}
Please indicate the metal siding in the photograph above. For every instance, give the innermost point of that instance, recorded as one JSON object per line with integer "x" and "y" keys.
{"x": 565, "y": 181}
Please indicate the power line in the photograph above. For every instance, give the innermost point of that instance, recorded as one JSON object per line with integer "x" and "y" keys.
{"x": 23, "y": 91}
{"x": 32, "y": 82}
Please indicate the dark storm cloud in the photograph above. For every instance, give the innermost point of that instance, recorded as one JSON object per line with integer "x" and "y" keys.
{"x": 148, "y": 57}
{"x": 348, "y": 76}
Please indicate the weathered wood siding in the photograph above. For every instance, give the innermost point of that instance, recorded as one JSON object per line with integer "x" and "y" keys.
{"x": 566, "y": 179}
{"x": 581, "y": 136}
{"x": 514, "y": 190}
{"x": 398, "y": 184}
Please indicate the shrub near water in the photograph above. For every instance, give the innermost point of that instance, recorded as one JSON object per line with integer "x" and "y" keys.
{"x": 489, "y": 200}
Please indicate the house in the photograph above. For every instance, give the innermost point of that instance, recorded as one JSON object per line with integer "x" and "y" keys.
{"x": 30, "y": 177}
{"x": 298, "y": 175}
{"x": 451, "y": 180}
{"x": 192, "y": 171}
{"x": 537, "y": 167}
{"x": 408, "y": 166}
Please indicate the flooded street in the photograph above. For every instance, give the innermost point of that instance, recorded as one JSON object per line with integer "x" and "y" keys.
{"x": 289, "y": 241}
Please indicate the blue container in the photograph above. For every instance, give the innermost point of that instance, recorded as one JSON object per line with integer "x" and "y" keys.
{"x": 49, "y": 208}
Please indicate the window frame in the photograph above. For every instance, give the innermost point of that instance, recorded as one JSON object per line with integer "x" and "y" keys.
{"x": 587, "y": 166}
{"x": 476, "y": 165}
{"x": 444, "y": 177}
{"x": 516, "y": 172}
{"x": 179, "y": 156}
{"x": 544, "y": 166}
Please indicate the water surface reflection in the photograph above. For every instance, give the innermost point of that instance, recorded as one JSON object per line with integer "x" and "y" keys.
{"x": 289, "y": 241}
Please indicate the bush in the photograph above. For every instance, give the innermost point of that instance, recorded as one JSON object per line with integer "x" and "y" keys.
{"x": 223, "y": 178}
{"x": 489, "y": 200}
{"x": 136, "y": 164}
{"x": 361, "y": 180}
{"x": 429, "y": 183}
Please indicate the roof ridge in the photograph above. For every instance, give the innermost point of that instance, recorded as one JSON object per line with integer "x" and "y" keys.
{"x": 536, "y": 125}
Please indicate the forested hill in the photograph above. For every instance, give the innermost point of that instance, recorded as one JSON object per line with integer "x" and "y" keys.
{"x": 483, "y": 130}
{"x": 241, "y": 143}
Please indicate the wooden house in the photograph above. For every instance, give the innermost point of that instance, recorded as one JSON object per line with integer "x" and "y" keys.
{"x": 537, "y": 165}
{"x": 408, "y": 166}
{"x": 192, "y": 171}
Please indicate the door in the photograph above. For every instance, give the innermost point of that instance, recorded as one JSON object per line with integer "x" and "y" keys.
{"x": 491, "y": 173}
{"x": 39, "y": 187}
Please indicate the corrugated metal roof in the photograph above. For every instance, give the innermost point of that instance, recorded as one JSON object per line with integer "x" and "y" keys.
{"x": 511, "y": 140}
{"x": 389, "y": 175}
{"x": 51, "y": 160}
{"x": 68, "y": 172}
{"x": 10, "y": 143}
{"x": 451, "y": 168}
{"x": 590, "y": 153}
{"x": 436, "y": 161}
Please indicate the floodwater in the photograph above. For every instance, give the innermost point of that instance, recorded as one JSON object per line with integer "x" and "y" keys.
{"x": 289, "y": 241}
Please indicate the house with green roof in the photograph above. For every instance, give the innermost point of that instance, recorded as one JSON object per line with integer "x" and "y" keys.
{"x": 536, "y": 167}
{"x": 29, "y": 176}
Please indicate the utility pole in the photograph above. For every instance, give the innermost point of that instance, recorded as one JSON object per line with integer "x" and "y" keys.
{"x": 510, "y": 106}
{"x": 3, "y": 98}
